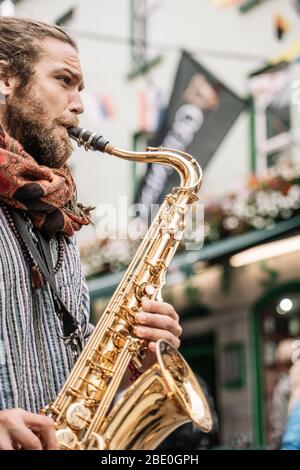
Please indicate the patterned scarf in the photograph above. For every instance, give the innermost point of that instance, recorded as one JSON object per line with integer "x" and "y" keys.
{"x": 47, "y": 194}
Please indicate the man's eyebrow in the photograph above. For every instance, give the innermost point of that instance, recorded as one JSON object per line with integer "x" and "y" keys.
{"x": 77, "y": 76}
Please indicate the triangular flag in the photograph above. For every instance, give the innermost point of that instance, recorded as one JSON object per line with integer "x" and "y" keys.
{"x": 225, "y": 3}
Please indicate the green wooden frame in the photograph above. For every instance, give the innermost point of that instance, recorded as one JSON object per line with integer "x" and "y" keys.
{"x": 252, "y": 135}
{"x": 143, "y": 68}
{"x": 238, "y": 349}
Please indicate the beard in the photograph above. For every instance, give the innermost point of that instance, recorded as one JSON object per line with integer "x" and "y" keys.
{"x": 26, "y": 120}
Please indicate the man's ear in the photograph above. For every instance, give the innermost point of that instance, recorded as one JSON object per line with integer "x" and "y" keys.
{"x": 8, "y": 82}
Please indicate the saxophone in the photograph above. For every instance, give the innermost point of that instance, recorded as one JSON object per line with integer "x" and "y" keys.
{"x": 167, "y": 395}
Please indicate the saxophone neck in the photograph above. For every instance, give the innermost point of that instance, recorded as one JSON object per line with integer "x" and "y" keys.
{"x": 186, "y": 166}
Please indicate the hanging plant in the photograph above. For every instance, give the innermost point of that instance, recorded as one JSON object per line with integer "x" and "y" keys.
{"x": 262, "y": 204}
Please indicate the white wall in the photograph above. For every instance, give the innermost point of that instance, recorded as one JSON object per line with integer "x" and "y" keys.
{"x": 191, "y": 24}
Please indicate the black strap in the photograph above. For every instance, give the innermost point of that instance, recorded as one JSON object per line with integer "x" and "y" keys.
{"x": 71, "y": 327}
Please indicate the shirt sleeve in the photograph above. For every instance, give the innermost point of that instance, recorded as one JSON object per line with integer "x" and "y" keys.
{"x": 291, "y": 437}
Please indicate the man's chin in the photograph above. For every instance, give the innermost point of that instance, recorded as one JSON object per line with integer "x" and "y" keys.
{"x": 58, "y": 159}
{"x": 64, "y": 148}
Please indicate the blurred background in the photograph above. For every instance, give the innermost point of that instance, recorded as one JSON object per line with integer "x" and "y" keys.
{"x": 219, "y": 79}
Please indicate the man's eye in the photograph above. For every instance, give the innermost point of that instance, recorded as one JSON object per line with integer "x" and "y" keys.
{"x": 66, "y": 80}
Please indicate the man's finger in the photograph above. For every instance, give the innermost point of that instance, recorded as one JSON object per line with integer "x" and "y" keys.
{"x": 26, "y": 438}
{"x": 45, "y": 427}
{"x": 36, "y": 420}
{"x": 48, "y": 437}
{"x": 154, "y": 334}
{"x": 152, "y": 347}
{"x": 162, "y": 322}
{"x": 160, "y": 307}
{"x": 5, "y": 442}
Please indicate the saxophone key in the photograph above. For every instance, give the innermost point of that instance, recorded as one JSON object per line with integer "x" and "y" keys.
{"x": 144, "y": 290}
{"x": 67, "y": 439}
{"x": 78, "y": 415}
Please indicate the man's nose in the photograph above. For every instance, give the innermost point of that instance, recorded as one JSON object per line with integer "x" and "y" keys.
{"x": 76, "y": 105}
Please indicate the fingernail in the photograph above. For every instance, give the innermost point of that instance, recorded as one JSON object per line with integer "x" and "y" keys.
{"x": 139, "y": 331}
{"x": 141, "y": 317}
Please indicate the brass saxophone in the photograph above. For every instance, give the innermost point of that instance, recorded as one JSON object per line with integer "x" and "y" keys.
{"x": 168, "y": 394}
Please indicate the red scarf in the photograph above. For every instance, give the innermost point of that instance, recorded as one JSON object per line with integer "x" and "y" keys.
{"x": 47, "y": 194}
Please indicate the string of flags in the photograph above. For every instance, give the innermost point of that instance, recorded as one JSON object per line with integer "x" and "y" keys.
{"x": 149, "y": 106}
{"x": 280, "y": 24}
{"x": 225, "y": 3}
{"x": 150, "y": 109}
{"x": 244, "y": 5}
{"x": 99, "y": 106}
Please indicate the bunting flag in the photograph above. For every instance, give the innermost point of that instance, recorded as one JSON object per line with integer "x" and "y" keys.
{"x": 289, "y": 54}
{"x": 200, "y": 113}
{"x": 281, "y": 26}
{"x": 99, "y": 106}
{"x": 245, "y": 5}
{"x": 149, "y": 109}
{"x": 225, "y": 3}
{"x": 142, "y": 111}
{"x": 106, "y": 106}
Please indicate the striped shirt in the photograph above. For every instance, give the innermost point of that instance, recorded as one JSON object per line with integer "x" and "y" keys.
{"x": 34, "y": 361}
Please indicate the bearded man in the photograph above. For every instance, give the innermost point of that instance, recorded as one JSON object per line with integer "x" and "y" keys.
{"x": 40, "y": 84}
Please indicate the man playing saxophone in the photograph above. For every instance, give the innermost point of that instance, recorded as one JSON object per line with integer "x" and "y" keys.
{"x": 40, "y": 84}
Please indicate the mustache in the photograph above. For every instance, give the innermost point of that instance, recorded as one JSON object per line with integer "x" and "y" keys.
{"x": 71, "y": 121}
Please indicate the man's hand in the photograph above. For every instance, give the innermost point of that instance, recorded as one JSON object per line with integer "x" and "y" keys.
{"x": 158, "y": 320}
{"x": 20, "y": 429}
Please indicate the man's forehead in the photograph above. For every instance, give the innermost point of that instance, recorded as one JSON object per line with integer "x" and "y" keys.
{"x": 58, "y": 54}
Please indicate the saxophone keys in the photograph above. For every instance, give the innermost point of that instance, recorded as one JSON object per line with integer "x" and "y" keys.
{"x": 67, "y": 440}
{"x": 172, "y": 228}
{"x": 78, "y": 415}
{"x": 149, "y": 290}
{"x": 144, "y": 290}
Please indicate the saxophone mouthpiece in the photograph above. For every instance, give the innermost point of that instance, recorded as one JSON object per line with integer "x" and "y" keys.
{"x": 88, "y": 139}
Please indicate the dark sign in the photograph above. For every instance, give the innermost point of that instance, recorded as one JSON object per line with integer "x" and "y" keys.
{"x": 200, "y": 113}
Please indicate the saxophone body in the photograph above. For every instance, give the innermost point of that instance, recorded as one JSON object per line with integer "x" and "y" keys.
{"x": 167, "y": 395}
